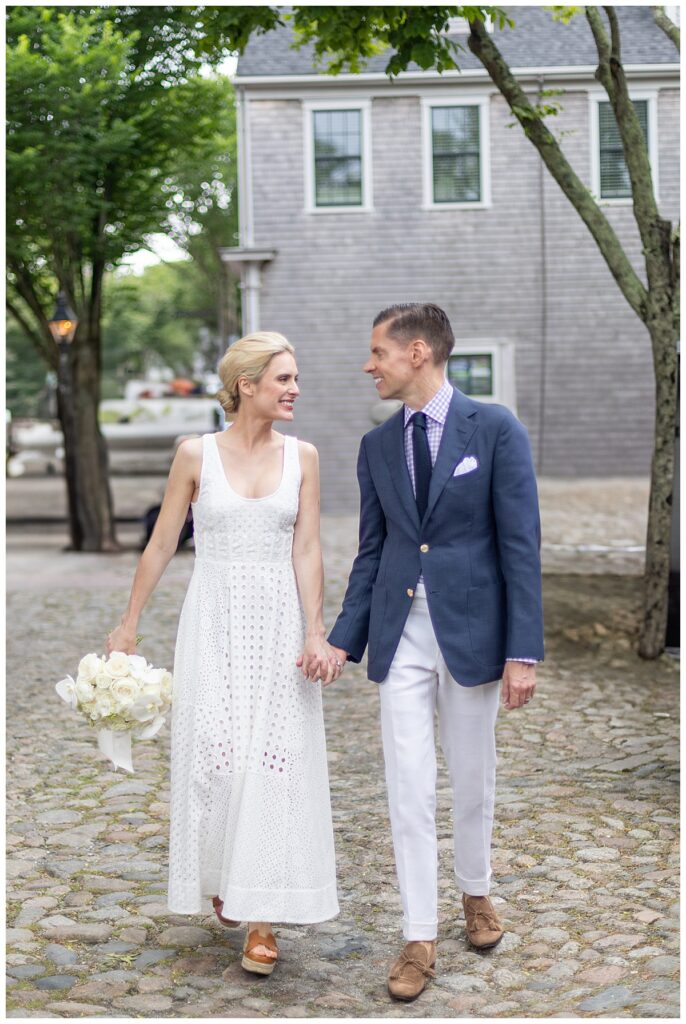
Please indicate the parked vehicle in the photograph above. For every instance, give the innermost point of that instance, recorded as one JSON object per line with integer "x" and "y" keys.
{"x": 141, "y": 434}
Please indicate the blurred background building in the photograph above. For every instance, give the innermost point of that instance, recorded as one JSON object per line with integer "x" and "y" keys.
{"x": 357, "y": 192}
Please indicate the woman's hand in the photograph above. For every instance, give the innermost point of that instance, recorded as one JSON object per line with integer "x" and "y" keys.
{"x": 123, "y": 638}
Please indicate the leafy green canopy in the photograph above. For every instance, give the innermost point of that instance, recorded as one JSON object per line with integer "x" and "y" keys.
{"x": 109, "y": 122}
{"x": 349, "y": 36}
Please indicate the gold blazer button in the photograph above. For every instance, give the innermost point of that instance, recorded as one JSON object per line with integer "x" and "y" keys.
{"x": 410, "y": 592}
{"x": 424, "y": 548}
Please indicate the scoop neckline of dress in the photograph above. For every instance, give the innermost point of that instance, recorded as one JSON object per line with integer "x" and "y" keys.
{"x": 242, "y": 496}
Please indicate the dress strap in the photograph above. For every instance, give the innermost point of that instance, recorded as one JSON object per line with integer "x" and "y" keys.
{"x": 291, "y": 458}
{"x": 211, "y": 461}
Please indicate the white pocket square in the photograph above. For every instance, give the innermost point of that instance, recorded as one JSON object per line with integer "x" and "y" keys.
{"x": 468, "y": 465}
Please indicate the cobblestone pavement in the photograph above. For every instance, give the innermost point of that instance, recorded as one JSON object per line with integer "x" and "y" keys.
{"x": 585, "y": 841}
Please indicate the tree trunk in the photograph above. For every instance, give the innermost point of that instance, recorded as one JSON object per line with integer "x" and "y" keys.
{"x": 67, "y": 417}
{"x": 656, "y": 577}
{"x": 90, "y": 511}
{"x": 95, "y": 509}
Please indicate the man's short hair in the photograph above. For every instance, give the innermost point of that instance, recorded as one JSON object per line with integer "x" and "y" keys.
{"x": 410, "y": 320}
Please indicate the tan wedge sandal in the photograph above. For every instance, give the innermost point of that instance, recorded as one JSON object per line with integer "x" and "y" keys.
{"x": 258, "y": 963}
{"x": 218, "y": 907}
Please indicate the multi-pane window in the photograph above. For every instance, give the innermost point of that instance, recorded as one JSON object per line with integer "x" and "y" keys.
{"x": 614, "y": 176}
{"x": 337, "y": 157}
{"x": 456, "y": 157}
{"x": 472, "y": 373}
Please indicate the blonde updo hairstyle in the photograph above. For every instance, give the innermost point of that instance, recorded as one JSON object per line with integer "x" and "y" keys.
{"x": 248, "y": 357}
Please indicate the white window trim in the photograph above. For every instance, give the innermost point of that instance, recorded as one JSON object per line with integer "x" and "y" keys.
{"x": 342, "y": 103}
{"x": 504, "y": 382}
{"x": 457, "y": 99}
{"x": 597, "y": 96}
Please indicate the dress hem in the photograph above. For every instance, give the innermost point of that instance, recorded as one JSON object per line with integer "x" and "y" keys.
{"x": 308, "y": 906}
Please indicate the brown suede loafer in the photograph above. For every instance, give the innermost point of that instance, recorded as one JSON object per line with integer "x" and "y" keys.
{"x": 484, "y": 927}
{"x": 407, "y": 976}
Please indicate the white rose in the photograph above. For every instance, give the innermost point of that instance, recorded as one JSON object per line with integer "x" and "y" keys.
{"x": 125, "y": 690}
{"x": 89, "y": 667}
{"x": 103, "y": 681}
{"x": 66, "y": 689}
{"x": 104, "y": 705}
{"x": 117, "y": 665}
{"x": 85, "y": 691}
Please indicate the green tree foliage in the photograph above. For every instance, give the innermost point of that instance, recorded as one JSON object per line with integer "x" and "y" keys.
{"x": 158, "y": 318}
{"x": 113, "y": 126}
{"x": 27, "y": 392}
{"x": 346, "y": 37}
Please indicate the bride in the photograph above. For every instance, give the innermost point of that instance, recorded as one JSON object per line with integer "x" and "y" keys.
{"x": 250, "y": 811}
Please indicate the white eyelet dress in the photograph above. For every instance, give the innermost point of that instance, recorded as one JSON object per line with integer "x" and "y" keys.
{"x": 250, "y": 806}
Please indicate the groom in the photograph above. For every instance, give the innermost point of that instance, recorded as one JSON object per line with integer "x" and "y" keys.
{"x": 446, "y": 591}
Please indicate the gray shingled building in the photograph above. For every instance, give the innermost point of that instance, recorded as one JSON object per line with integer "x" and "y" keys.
{"x": 357, "y": 191}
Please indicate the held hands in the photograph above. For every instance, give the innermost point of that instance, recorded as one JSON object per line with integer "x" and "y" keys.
{"x": 319, "y": 660}
{"x": 519, "y": 684}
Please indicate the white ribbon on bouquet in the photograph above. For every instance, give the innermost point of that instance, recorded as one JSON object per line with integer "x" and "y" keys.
{"x": 117, "y": 747}
{"x": 115, "y": 744}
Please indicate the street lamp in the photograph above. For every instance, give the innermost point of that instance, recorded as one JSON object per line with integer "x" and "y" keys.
{"x": 64, "y": 321}
{"x": 63, "y": 324}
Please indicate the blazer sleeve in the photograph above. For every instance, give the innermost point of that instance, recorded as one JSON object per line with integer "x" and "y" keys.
{"x": 351, "y": 629}
{"x": 518, "y": 530}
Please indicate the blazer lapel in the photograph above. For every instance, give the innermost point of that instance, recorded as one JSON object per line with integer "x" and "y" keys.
{"x": 457, "y": 432}
{"x": 396, "y": 463}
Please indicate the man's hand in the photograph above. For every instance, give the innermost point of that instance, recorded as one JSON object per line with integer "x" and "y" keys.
{"x": 321, "y": 662}
{"x": 519, "y": 684}
{"x": 341, "y": 657}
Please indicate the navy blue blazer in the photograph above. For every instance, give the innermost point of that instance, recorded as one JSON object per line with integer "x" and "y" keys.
{"x": 478, "y": 546}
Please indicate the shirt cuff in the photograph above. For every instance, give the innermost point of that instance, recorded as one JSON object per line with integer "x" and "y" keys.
{"x": 526, "y": 661}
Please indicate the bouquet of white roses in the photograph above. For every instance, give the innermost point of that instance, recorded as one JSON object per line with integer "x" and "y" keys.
{"x": 122, "y": 696}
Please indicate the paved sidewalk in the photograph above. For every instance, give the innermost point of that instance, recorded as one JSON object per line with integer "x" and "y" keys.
{"x": 585, "y": 843}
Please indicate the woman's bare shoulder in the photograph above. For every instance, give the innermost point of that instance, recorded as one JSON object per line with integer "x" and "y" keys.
{"x": 307, "y": 451}
{"x": 309, "y": 457}
{"x": 190, "y": 448}
{"x": 188, "y": 457}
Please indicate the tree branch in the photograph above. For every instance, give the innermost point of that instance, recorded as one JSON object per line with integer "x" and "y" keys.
{"x": 667, "y": 26}
{"x": 24, "y": 286}
{"x": 599, "y": 34}
{"x": 616, "y": 53}
{"x": 676, "y": 275}
{"x": 654, "y": 231}
{"x": 603, "y": 46}
{"x": 48, "y": 352}
{"x": 482, "y": 46}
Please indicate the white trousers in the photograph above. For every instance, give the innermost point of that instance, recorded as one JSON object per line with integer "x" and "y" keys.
{"x": 419, "y": 684}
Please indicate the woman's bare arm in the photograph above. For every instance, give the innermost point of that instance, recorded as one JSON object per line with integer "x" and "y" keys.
{"x": 309, "y": 569}
{"x": 183, "y": 477}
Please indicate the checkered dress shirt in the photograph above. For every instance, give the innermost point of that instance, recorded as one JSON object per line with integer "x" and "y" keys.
{"x": 436, "y": 412}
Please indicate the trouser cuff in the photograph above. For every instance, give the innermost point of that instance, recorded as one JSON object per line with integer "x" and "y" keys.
{"x": 474, "y": 887}
{"x": 416, "y": 931}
